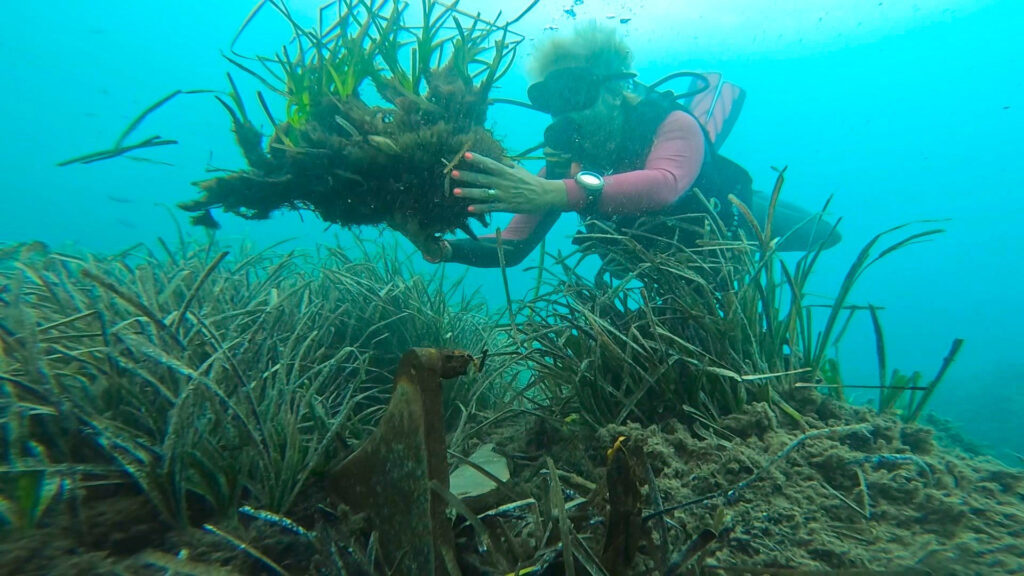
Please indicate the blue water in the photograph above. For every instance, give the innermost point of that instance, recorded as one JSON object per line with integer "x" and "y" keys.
{"x": 901, "y": 110}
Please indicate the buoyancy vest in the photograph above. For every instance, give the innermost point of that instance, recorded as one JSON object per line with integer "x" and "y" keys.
{"x": 682, "y": 222}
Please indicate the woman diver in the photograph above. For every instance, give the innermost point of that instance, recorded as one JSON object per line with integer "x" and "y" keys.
{"x": 622, "y": 159}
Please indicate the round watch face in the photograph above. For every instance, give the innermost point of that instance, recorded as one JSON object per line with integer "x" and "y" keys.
{"x": 589, "y": 180}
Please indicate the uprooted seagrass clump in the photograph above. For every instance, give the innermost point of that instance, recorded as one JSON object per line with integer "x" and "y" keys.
{"x": 357, "y": 156}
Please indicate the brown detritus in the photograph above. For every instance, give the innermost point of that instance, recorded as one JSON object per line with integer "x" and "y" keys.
{"x": 625, "y": 501}
{"x": 393, "y": 470}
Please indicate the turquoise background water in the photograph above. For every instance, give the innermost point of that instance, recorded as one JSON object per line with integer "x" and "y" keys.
{"x": 901, "y": 110}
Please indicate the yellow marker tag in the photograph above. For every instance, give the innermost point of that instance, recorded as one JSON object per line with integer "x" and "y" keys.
{"x": 616, "y": 446}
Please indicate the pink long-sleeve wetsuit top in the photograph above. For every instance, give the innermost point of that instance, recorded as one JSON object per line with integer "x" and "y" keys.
{"x": 670, "y": 169}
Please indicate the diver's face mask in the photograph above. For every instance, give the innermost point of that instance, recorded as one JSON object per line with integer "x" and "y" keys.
{"x": 566, "y": 90}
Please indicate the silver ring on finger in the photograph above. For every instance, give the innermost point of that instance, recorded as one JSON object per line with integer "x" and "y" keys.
{"x": 491, "y": 192}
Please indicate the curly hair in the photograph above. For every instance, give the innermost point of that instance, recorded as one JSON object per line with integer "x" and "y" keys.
{"x": 591, "y": 45}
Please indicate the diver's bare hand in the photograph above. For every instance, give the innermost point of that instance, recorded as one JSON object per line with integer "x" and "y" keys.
{"x": 507, "y": 187}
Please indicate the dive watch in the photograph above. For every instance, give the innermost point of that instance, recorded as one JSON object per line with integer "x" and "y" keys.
{"x": 592, "y": 185}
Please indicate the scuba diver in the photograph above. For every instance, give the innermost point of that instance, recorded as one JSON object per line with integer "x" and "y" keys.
{"x": 626, "y": 157}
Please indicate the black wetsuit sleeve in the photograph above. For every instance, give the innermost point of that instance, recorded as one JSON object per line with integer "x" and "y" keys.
{"x": 483, "y": 253}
